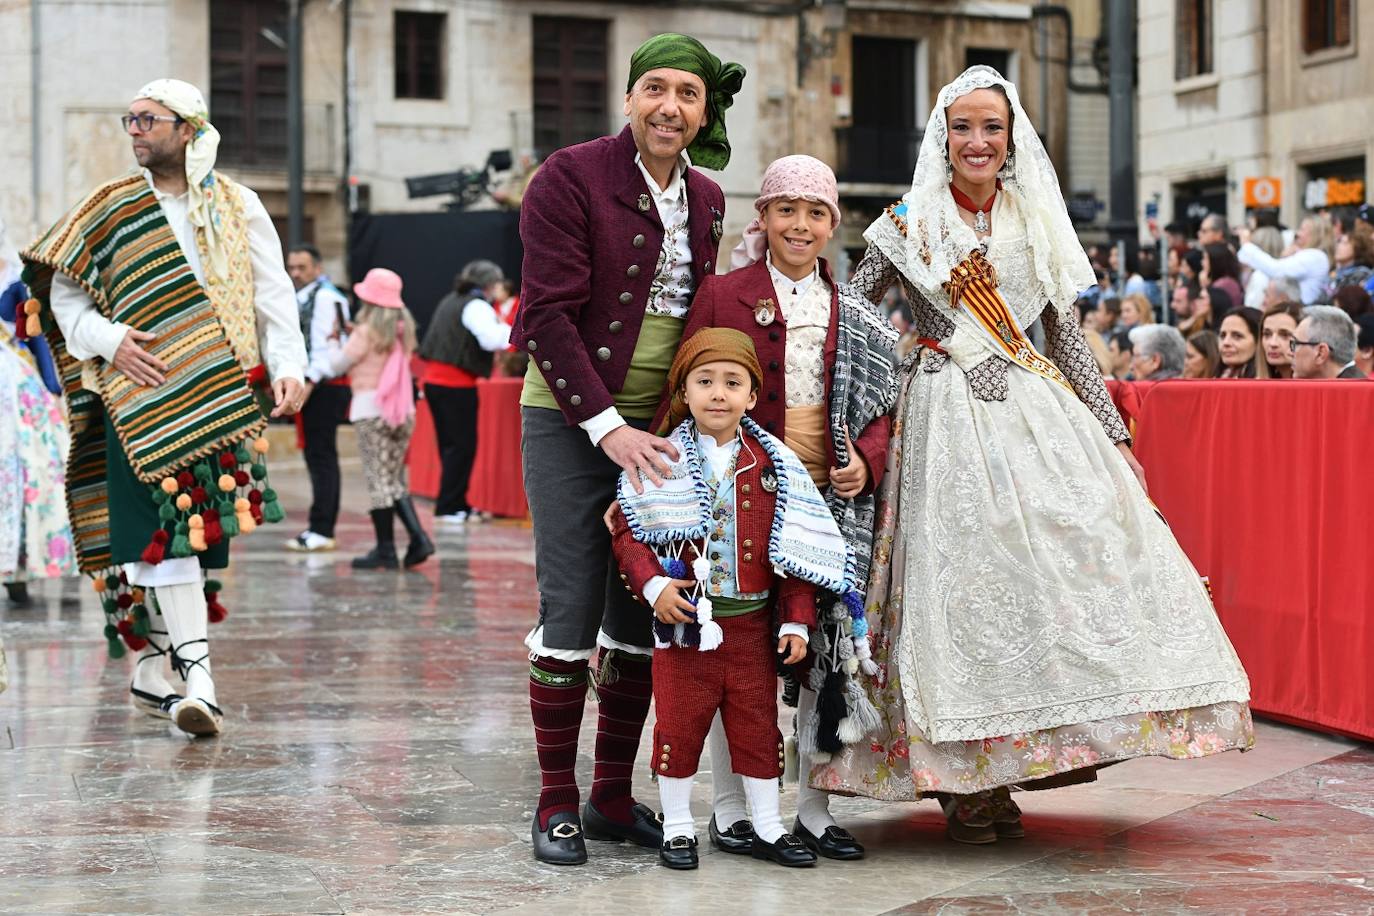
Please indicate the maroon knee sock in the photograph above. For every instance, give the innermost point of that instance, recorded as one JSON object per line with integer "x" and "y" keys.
{"x": 558, "y": 692}
{"x": 619, "y": 722}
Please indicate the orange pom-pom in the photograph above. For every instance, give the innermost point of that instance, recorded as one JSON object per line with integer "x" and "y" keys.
{"x": 98, "y": 585}
{"x": 184, "y": 502}
{"x": 261, "y": 445}
{"x": 32, "y": 307}
{"x": 226, "y": 483}
{"x": 196, "y": 534}
{"x": 169, "y": 485}
{"x": 32, "y": 326}
{"x": 138, "y": 594}
{"x": 244, "y": 513}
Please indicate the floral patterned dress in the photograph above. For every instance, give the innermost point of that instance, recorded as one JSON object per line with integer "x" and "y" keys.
{"x": 35, "y": 535}
{"x": 1032, "y": 618}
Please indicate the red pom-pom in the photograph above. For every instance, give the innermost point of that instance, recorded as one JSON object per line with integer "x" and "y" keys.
{"x": 125, "y": 601}
{"x": 213, "y": 609}
{"x": 153, "y": 553}
{"x": 210, "y": 515}
{"x": 132, "y": 640}
{"x": 256, "y": 511}
{"x": 214, "y": 531}
{"x": 254, "y": 497}
{"x": 241, "y": 478}
{"x": 185, "y": 479}
{"x": 198, "y": 495}
{"x": 226, "y": 460}
{"x": 123, "y": 578}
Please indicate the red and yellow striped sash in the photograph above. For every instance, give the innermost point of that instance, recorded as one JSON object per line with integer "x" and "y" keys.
{"x": 974, "y": 282}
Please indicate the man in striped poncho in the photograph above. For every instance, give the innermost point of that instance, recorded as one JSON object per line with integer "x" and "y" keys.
{"x": 165, "y": 299}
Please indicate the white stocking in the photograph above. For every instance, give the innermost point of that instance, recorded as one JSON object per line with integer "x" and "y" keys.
{"x": 813, "y": 805}
{"x": 149, "y": 669}
{"x": 763, "y": 805}
{"x": 675, "y": 794}
{"x": 727, "y": 788}
{"x": 184, "y": 608}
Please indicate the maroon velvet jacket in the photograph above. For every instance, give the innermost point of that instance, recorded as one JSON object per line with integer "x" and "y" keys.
{"x": 728, "y": 302}
{"x": 592, "y": 236}
{"x": 794, "y": 599}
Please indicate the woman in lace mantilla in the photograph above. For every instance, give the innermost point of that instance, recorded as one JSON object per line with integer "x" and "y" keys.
{"x": 1033, "y": 618}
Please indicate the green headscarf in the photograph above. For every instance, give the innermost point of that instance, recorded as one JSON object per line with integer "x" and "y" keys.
{"x": 711, "y": 148}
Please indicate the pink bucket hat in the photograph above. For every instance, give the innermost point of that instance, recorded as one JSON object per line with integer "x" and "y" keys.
{"x": 803, "y": 177}
{"x": 381, "y": 287}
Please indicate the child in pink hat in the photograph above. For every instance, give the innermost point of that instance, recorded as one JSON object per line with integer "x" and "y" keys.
{"x": 377, "y": 360}
{"x": 828, "y": 384}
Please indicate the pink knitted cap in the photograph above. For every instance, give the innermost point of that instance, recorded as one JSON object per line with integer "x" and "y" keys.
{"x": 803, "y": 177}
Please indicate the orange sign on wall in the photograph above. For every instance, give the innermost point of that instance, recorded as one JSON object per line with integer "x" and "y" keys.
{"x": 1263, "y": 192}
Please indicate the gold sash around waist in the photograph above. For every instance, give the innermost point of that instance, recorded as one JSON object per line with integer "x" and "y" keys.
{"x": 805, "y": 434}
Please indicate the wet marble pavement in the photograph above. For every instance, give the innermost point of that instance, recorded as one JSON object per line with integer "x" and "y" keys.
{"x": 378, "y": 758}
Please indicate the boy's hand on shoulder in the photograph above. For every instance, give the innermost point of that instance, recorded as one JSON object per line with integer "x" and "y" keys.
{"x": 850, "y": 480}
{"x": 671, "y": 606}
{"x": 793, "y": 646}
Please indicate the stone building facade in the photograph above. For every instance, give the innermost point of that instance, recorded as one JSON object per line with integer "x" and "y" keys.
{"x": 403, "y": 88}
{"x": 1231, "y": 90}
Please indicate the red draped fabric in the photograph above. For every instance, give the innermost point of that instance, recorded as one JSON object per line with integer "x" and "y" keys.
{"x": 497, "y": 485}
{"x": 1265, "y": 486}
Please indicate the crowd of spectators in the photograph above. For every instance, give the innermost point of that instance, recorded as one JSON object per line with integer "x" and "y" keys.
{"x": 1259, "y": 301}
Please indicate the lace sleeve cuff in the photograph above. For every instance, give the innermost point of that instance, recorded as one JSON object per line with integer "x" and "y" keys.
{"x": 1066, "y": 345}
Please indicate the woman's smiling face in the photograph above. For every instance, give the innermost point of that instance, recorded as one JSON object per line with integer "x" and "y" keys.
{"x": 979, "y": 134}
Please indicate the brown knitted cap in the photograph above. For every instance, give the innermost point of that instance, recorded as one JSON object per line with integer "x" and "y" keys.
{"x": 708, "y": 345}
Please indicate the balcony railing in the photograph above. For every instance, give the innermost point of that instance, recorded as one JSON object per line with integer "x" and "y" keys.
{"x": 877, "y": 155}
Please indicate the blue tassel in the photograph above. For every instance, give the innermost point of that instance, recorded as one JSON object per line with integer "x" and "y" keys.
{"x": 855, "y": 602}
{"x": 674, "y": 568}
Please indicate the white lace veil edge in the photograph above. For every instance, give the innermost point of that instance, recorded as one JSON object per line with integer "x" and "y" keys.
{"x": 937, "y": 239}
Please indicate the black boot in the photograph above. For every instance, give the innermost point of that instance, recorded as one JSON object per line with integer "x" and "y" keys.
{"x": 420, "y": 545}
{"x": 383, "y": 556}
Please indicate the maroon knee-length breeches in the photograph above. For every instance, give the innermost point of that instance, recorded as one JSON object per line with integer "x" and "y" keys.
{"x": 740, "y": 679}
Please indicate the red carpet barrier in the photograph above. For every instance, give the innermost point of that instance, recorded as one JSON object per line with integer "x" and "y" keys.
{"x": 1266, "y": 485}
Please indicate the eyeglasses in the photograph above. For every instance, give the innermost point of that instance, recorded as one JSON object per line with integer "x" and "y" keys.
{"x": 146, "y": 121}
{"x": 1294, "y": 343}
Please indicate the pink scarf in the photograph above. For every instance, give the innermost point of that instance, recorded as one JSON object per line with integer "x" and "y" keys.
{"x": 395, "y": 388}
{"x": 751, "y": 247}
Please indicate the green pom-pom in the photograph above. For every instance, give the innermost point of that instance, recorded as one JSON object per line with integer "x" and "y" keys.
{"x": 166, "y": 512}
{"x": 271, "y": 508}
{"x": 159, "y": 496}
{"x": 111, "y": 631}
{"x": 241, "y": 455}
{"x": 112, "y": 583}
{"x": 181, "y": 544}
{"x": 141, "y": 625}
{"x": 203, "y": 473}
{"x": 109, "y": 606}
{"x": 228, "y": 521}
{"x": 258, "y": 471}
{"x": 213, "y": 585}
{"x": 116, "y": 648}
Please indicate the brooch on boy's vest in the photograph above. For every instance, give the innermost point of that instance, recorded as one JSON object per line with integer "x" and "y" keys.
{"x": 764, "y": 312}
{"x": 769, "y": 480}
{"x": 717, "y": 225}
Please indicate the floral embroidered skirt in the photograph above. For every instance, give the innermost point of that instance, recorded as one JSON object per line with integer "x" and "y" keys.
{"x": 1027, "y": 605}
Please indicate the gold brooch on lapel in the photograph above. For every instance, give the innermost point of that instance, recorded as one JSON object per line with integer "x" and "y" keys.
{"x": 717, "y": 230}
{"x": 764, "y": 312}
{"x": 644, "y": 203}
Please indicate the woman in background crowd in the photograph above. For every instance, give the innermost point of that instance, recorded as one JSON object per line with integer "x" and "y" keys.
{"x": 1309, "y": 264}
{"x": 1221, "y": 269}
{"x": 1136, "y": 310}
{"x": 1354, "y": 260}
{"x": 1204, "y": 356}
{"x": 1238, "y": 340}
{"x": 1353, "y": 300}
{"x": 1268, "y": 239}
{"x": 1276, "y": 330}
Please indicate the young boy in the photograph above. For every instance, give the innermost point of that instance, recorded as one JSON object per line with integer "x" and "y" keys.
{"x": 735, "y": 536}
{"x": 828, "y": 374}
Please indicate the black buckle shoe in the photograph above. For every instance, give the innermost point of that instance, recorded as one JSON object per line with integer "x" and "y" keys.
{"x": 787, "y": 851}
{"x": 833, "y": 843}
{"x": 680, "y": 853}
{"x": 562, "y": 842}
{"x": 646, "y": 831}
{"x": 738, "y": 838}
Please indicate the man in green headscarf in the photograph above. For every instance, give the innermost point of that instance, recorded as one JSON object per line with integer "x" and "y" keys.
{"x": 618, "y": 235}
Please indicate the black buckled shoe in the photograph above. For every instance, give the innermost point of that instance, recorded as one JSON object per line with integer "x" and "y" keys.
{"x": 646, "y": 831}
{"x": 680, "y": 853}
{"x": 738, "y": 838}
{"x": 788, "y": 851}
{"x": 833, "y": 843}
{"x": 562, "y": 843}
